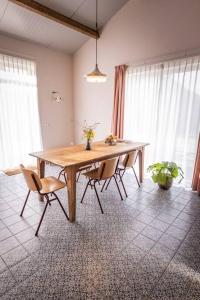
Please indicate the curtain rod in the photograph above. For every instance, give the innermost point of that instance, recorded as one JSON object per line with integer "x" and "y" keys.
{"x": 17, "y": 54}
{"x": 166, "y": 57}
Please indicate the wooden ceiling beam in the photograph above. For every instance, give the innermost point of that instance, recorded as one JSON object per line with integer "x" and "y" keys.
{"x": 57, "y": 17}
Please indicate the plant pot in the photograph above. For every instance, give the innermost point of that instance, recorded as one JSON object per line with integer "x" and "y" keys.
{"x": 167, "y": 185}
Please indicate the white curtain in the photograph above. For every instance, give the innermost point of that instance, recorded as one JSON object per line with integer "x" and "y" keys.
{"x": 162, "y": 107}
{"x": 19, "y": 117}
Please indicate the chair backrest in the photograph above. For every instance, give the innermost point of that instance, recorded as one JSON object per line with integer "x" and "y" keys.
{"x": 107, "y": 168}
{"x": 130, "y": 159}
{"x": 28, "y": 176}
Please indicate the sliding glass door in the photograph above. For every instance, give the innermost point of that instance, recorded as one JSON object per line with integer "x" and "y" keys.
{"x": 19, "y": 117}
{"x": 162, "y": 106}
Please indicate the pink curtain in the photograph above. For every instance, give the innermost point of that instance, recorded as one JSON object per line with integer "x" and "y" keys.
{"x": 196, "y": 174}
{"x": 119, "y": 95}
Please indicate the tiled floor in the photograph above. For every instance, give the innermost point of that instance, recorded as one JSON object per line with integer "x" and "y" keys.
{"x": 145, "y": 247}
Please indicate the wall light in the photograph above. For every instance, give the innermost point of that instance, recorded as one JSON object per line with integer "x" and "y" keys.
{"x": 56, "y": 97}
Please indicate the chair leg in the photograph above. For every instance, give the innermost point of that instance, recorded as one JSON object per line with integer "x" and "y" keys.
{"x": 136, "y": 177}
{"x": 108, "y": 183}
{"x": 85, "y": 191}
{"x": 123, "y": 186}
{"x": 46, "y": 196}
{"x": 123, "y": 173}
{"x": 60, "y": 174}
{"x": 118, "y": 187}
{"x": 25, "y": 203}
{"x": 41, "y": 219}
{"x": 61, "y": 206}
{"x": 98, "y": 199}
{"x": 65, "y": 177}
{"x": 79, "y": 174}
{"x": 103, "y": 185}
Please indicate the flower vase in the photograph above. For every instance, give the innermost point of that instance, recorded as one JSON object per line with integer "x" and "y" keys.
{"x": 88, "y": 145}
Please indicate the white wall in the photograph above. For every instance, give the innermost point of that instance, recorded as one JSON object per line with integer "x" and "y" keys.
{"x": 54, "y": 72}
{"x": 142, "y": 29}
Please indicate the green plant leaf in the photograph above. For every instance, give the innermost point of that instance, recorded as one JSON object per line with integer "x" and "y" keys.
{"x": 174, "y": 172}
{"x": 155, "y": 178}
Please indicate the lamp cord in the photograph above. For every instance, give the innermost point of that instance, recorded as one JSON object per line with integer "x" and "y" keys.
{"x": 96, "y": 28}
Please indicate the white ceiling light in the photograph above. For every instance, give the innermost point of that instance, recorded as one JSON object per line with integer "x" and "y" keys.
{"x": 96, "y": 75}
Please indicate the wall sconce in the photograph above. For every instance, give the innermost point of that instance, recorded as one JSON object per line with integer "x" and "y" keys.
{"x": 56, "y": 97}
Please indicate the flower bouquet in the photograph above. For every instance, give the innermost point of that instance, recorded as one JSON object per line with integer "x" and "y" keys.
{"x": 89, "y": 133}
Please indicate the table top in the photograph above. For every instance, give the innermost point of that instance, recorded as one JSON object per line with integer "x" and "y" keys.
{"x": 78, "y": 156}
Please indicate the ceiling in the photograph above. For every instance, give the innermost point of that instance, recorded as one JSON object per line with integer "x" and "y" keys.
{"x": 26, "y": 25}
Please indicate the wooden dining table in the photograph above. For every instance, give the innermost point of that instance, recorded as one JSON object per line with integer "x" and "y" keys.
{"x": 72, "y": 158}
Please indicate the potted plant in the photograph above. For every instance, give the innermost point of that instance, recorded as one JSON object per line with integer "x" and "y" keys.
{"x": 163, "y": 173}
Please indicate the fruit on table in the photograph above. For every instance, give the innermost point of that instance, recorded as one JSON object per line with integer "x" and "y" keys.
{"x": 111, "y": 139}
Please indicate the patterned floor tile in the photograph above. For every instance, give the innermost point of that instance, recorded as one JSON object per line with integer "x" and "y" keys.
{"x": 169, "y": 241}
{"x": 17, "y": 227}
{"x": 145, "y": 247}
{"x": 25, "y": 235}
{"x": 12, "y": 219}
{"x": 162, "y": 253}
{"x": 160, "y": 225}
{"x": 7, "y": 282}
{"x": 3, "y": 266}
{"x": 167, "y": 218}
{"x": 25, "y": 269}
{"x": 2, "y": 225}
{"x": 176, "y": 232}
{"x": 143, "y": 242}
{"x": 6, "y": 213}
{"x": 14, "y": 256}
{"x": 182, "y": 224}
{"x": 8, "y": 244}
{"x": 4, "y": 234}
{"x": 152, "y": 233}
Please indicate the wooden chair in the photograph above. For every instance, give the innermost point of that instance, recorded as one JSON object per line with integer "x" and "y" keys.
{"x": 62, "y": 173}
{"x": 127, "y": 163}
{"x": 45, "y": 187}
{"x": 105, "y": 171}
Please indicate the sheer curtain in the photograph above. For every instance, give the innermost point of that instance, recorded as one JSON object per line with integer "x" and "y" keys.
{"x": 19, "y": 117}
{"x": 162, "y": 106}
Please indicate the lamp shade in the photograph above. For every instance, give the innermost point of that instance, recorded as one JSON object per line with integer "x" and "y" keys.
{"x": 96, "y": 76}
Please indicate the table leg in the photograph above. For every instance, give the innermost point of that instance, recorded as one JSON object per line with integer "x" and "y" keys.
{"x": 41, "y": 172}
{"x": 71, "y": 188}
{"x": 141, "y": 164}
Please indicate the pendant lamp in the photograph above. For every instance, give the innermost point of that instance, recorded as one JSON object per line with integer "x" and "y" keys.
{"x": 96, "y": 75}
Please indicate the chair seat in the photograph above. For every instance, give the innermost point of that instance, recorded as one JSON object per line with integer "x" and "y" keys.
{"x": 92, "y": 174}
{"x": 51, "y": 184}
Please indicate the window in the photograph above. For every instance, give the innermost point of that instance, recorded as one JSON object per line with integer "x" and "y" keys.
{"x": 19, "y": 117}
{"x": 162, "y": 106}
